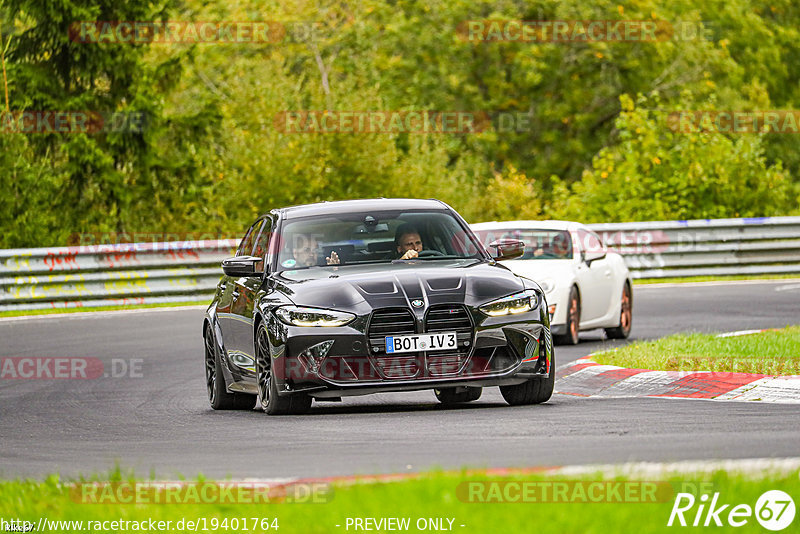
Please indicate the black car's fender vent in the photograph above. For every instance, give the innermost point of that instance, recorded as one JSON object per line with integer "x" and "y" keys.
{"x": 392, "y": 322}
{"x": 449, "y": 318}
{"x": 492, "y": 360}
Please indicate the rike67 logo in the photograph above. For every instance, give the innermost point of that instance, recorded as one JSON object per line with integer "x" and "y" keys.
{"x": 774, "y": 510}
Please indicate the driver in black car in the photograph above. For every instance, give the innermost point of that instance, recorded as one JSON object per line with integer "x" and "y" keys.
{"x": 408, "y": 242}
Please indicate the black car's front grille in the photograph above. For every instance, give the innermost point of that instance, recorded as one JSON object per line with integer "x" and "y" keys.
{"x": 392, "y": 322}
{"x": 449, "y": 318}
{"x": 400, "y": 321}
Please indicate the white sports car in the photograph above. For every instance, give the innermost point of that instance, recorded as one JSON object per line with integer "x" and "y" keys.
{"x": 586, "y": 286}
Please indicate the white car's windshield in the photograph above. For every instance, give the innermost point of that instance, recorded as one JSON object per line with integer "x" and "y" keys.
{"x": 539, "y": 244}
{"x": 374, "y": 237}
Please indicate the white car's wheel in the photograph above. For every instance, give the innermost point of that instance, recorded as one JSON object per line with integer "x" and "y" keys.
{"x": 625, "y": 315}
{"x": 573, "y": 326}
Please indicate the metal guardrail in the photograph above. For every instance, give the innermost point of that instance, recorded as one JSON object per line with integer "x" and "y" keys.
{"x": 706, "y": 247}
{"x": 151, "y": 273}
{"x": 111, "y": 275}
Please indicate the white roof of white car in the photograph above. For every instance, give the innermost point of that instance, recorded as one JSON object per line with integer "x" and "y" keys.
{"x": 527, "y": 225}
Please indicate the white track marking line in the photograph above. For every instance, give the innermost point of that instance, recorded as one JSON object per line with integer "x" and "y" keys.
{"x": 789, "y": 287}
{"x": 672, "y": 285}
{"x": 738, "y": 333}
{"x": 759, "y": 467}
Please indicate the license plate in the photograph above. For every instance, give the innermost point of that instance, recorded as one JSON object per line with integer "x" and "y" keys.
{"x": 418, "y": 342}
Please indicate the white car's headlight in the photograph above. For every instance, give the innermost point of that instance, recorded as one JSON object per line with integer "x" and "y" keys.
{"x": 521, "y": 302}
{"x": 547, "y": 284}
{"x": 300, "y": 316}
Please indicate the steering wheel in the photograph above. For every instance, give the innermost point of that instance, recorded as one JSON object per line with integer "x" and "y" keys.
{"x": 429, "y": 253}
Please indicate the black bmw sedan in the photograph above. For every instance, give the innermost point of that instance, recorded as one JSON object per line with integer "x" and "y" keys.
{"x": 364, "y": 296}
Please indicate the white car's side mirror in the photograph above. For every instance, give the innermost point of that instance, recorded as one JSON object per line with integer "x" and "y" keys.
{"x": 593, "y": 255}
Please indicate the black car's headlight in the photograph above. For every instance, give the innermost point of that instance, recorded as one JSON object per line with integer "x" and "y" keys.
{"x": 302, "y": 316}
{"x": 521, "y": 302}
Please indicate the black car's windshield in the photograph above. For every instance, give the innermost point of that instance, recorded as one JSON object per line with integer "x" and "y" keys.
{"x": 373, "y": 237}
{"x": 539, "y": 244}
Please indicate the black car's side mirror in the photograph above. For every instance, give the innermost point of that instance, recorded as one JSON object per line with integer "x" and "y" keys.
{"x": 507, "y": 249}
{"x": 243, "y": 266}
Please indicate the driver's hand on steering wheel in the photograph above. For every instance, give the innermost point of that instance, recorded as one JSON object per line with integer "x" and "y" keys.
{"x": 410, "y": 254}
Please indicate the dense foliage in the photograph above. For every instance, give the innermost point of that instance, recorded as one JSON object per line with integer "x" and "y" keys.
{"x": 596, "y": 145}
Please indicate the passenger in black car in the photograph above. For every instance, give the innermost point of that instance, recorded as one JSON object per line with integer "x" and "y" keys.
{"x": 305, "y": 252}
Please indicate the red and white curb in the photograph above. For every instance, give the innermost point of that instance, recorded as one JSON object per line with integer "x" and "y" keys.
{"x": 587, "y": 378}
{"x": 753, "y": 467}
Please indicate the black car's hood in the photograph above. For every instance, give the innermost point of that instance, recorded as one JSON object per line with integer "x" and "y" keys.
{"x": 470, "y": 281}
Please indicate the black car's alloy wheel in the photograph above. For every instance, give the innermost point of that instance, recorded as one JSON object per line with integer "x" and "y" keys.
{"x": 533, "y": 391}
{"x": 268, "y": 397}
{"x": 218, "y": 396}
{"x": 457, "y": 395}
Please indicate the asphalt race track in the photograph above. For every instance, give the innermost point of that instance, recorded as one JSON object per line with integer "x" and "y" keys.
{"x": 158, "y": 421}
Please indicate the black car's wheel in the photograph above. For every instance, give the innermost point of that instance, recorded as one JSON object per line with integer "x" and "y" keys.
{"x": 268, "y": 398}
{"x": 534, "y": 391}
{"x": 625, "y": 316}
{"x": 218, "y": 395}
{"x": 572, "y": 334}
{"x": 457, "y": 395}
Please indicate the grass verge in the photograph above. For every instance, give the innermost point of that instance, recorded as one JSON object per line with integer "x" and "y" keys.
{"x": 523, "y": 502}
{"x": 727, "y": 278}
{"x": 24, "y": 313}
{"x": 774, "y": 352}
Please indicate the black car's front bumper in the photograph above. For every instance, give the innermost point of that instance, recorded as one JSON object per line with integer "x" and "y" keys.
{"x": 350, "y": 360}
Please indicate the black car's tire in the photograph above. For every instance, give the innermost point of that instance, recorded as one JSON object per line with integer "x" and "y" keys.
{"x": 573, "y": 328}
{"x": 268, "y": 398}
{"x": 452, "y": 396}
{"x": 533, "y": 391}
{"x": 625, "y": 316}
{"x": 218, "y": 395}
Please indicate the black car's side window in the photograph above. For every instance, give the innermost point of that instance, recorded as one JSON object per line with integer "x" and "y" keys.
{"x": 246, "y": 246}
{"x": 262, "y": 241}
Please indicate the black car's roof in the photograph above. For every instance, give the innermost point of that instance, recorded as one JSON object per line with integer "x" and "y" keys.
{"x": 350, "y": 206}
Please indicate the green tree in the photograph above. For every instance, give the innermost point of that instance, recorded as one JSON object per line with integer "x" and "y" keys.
{"x": 124, "y": 179}
{"x": 656, "y": 173}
